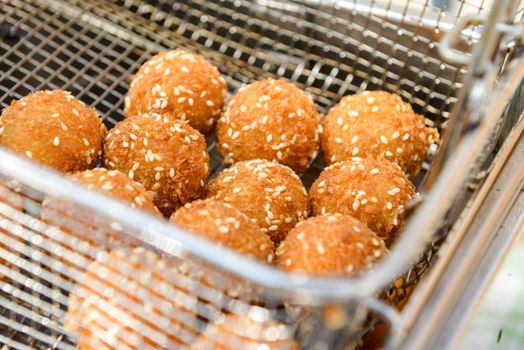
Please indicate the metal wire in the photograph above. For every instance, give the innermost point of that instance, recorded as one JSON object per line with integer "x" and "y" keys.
{"x": 93, "y": 47}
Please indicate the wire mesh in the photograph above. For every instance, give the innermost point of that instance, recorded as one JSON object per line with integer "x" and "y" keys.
{"x": 92, "y": 48}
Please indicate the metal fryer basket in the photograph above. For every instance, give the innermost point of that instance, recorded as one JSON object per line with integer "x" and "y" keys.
{"x": 93, "y": 47}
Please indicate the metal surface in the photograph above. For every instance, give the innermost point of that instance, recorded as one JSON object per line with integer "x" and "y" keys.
{"x": 329, "y": 48}
{"x": 468, "y": 263}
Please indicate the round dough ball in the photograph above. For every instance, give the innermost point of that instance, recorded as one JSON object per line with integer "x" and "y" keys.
{"x": 330, "y": 245}
{"x": 118, "y": 185}
{"x": 376, "y": 124}
{"x": 131, "y": 298}
{"x": 234, "y": 332}
{"x": 270, "y": 119}
{"x": 54, "y": 129}
{"x": 180, "y": 83}
{"x": 374, "y": 191}
{"x": 162, "y": 153}
{"x": 222, "y": 223}
{"x": 271, "y": 194}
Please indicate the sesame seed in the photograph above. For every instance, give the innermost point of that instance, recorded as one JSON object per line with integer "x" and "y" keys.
{"x": 389, "y": 154}
{"x": 75, "y": 112}
{"x": 191, "y": 101}
{"x": 159, "y": 168}
{"x": 374, "y": 199}
{"x": 237, "y": 190}
{"x": 269, "y": 138}
{"x": 185, "y": 69}
{"x": 389, "y": 205}
{"x": 374, "y": 109}
{"x": 171, "y": 172}
{"x": 320, "y": 248}
{"x": 340, "y": 121}
{"x": 405, "y": 137}
{"x": 29, "y": 154}
{"x": 383, "y": 139}
{"x": 243, "y": 108}
{"x": 353, "y": 114}
{"x": 131, "y": 174}
{"x": 125, "y": 144}
{"x": 85, "y": 141}
{"x": 273, "y": 228}
{"x": 223, "y": 229}
{"x": 107, "y": 186}
{"x": 338, "y": 140}
{"x": 355, "y": 151}
{"x": 395, "y": 221}
{"x": 395, "y": 135}
{"x": 209, "y": 103}
{"x": 55, "y": 115}
{"x": 355, "y": 205}
{"x": 374, "y": 171}
{"x": 394, "y": 191}
{"x": 370, "y": 100}
{"x": 132, "y": 136}
{"x": 356, "y": 229}
{"x": 181, "y": 99}
{"x": 354, "y": 139}
{"x": 56, "y": 141}
{"x": 333, "y": 158}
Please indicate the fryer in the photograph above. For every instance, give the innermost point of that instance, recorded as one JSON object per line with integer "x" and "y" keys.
{"x": 459, "y": 63}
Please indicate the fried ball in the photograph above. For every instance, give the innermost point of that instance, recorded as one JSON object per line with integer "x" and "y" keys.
{"x": 94, "y": 231}
{"x": 164, "y": 154}
{"x": 270, "y": 119}
{"x": 54, "y": 129}
{"x": 226, "y": 225}
{"x": 376, "y": 124}
{"x": 180, "y": 83}
{"x": 271, "y": 194}
{"x": 330, "y": 245}
{"x": 132, "y": 299}
{"x": 234, "y": 332}
{"x": 374, "y": 191}
{"x": 118, "y": 185}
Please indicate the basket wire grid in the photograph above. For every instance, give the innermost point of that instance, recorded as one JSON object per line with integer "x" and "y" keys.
{"x": 92, "y": 48}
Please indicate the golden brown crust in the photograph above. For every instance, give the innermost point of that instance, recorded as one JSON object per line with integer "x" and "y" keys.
{"x": 180, "y": 83}
{"x": 222, "y": 223}
{"x": 376, "y": 124}
{"x": 54, "y": 129}
{"x": 243, "y": 333}
{"x": 374, "y": 191}
{"x": 162, "y": 153}
{"x": 271, "y": 194}
{"x": 118, "y": 185}
{"x": 270, "y": 119}
{"x": 330, "y": 245}
{"x": 125, "y": 298}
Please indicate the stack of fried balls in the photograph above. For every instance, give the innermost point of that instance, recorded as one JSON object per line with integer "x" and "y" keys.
{"x": 268, "y": 133}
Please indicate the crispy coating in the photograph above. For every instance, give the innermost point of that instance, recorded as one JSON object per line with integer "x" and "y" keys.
{"x": 244, "y": 333}
{"x": 162, "y": 153}
{"x": 330, "y": 245}
{"x": 270, "y": 119}
{"x": 226, "y": 225}
{"x": 126, "y": 299}
{"x": 270, "y": 194}
{"x": 374, "y": 191}
{"x": 77, "y": 222}
{"x": 376, "y": 124}
{"x": 180, "y": 83}
{"x": 54, "y": 129}
{"x": 118, "y": 185}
